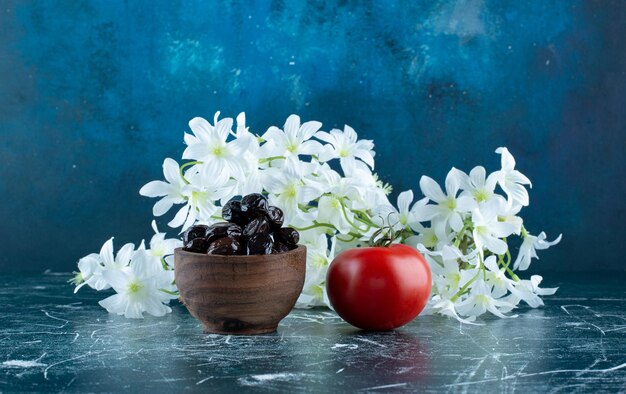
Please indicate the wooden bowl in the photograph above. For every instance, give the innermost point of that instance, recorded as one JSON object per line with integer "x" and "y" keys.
{"x": 240, "y": 294}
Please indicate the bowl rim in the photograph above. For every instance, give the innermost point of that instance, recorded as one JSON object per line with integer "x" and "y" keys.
{"x": 242, "y": 259}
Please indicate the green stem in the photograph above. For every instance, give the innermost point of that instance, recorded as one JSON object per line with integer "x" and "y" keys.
{"x": 352, "y": 238}
{"x": 462, "y": 289}
{"x": 469, "y": 282}
{"x": 364, "y": 218}
{"x": 188, "y": 164}
{"x": 315, "y": 225}
{"x": 345, "y": 215}
{"x": 508, "y": 262}
{"x": 513, "y": 276}
{"x": 524, "y": 232}
{"x": 366, "y": 222}
{"x": 270, "y": 159}
{"x": 461, "y": 234}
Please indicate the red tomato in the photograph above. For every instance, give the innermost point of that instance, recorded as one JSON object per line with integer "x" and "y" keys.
{"x": 379, "y": 288}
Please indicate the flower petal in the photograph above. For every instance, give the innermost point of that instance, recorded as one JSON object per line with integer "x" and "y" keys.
{"x": 326, "y": 137}
{"x": 465, "y": 204}
{"x": 541, "y": 243}
{"x": 118, "y": 279}
{"x": 201, "y": 128}
{"x": 477, "y": 176}
{"x": 180, "y": 217}
{"x": 507, "y": 161}
{"x": 155, "y": 189}
{"x": 124, "y": 255}
{"x": 171, "y": 171}
{"x": 114, "y": 304}
{"x": 162, "y": 206}
{"x": 310, "y": 147}
{"x": 517, "y": 177}
{"x": 517, "y": 193}
{"x": 453, "y": 182}
{"x": 292, "y": 126}
{"x": 106, "y": 252}
{"x": 404, "y": 201}
{"x": 495, "y": 245}
{"x": 456, "y": 222}
{"x": 309, "y": 128}
{"x": 431, "y": 189}
{"x": 366, "y": 156}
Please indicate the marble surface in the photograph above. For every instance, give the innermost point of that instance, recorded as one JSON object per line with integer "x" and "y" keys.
{"x": 53, "y": 340}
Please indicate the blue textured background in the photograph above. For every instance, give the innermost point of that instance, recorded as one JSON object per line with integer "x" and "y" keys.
{"x": 93, "y": 96}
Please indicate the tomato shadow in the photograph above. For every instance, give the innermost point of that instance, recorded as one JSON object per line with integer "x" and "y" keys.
{"x": 382, "y": 358}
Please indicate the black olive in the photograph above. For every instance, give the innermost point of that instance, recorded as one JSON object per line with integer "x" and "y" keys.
{"x": 221, "y": 230}
{"x": 260, "y": 244}
{"x": 275, "y": 216}
{"x": 231, "y": 212}
{"x": 225, "y": 246}
{"x": 197, "y": 245}
{"x": 287, "y": 235}
{"x": 193, "y": 232}
{"x": 254, "y": 203}
{"x": 258, "y": 225}
{"x": 280, "y": 247}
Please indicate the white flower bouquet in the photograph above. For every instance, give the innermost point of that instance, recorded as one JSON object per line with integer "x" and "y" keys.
{"x": 465, "y": 242}
{"x": 325, "y": 184}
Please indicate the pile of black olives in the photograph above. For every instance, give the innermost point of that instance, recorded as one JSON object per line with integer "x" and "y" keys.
{"x": 252, "y": 227}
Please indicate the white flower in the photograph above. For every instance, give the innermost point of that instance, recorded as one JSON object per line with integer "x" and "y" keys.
{"x": 497, "y": 278}
{"x": 508, "y": 211}
{"x": 319, "y": 258}
{"x": 163, "y": 248}
{"x": 372, "y": 192}
{"x": 288, "y": 188}
{"x": 209, "y": 145}
{"x": 329, "y": 181}
{"x": 528, "y": 249}
{"x": 529, "y": 291}
{"x": 445, "y": 267}
{"x": 481, "y": 300}
{"x": 447, "y": 308}
{"x": 139, "y": 289}
{"x": 478, "y": 185}
{"x": 332, "y": 210}
{"x": 171, "y": 191}
{"x": 346, "y": 146}
{"x": 201, "y": 194}
{"x": 465, "y": 285}
{"x": 488, "y": 230}
{"x": 511, "y": 180}
{"x": 449, "y": 208}
{"x": 406, "y": 216}
{"x": 251, "y": 161}
{"x": 93, "y": 266}
{"x": 90, "y": 273}
{"x": 431, "y": 237}
{"x": 294, "y": 140}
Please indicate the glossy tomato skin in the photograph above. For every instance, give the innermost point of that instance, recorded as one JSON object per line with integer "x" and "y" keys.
{"x": 379, "y": 288}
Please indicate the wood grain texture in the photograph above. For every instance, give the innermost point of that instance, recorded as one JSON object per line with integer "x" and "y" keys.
{"x": 240, "y": 294}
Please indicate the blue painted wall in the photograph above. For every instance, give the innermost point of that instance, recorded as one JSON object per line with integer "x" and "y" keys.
{"x": 93, "y": 96}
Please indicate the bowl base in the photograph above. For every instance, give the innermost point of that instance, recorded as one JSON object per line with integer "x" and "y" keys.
{"x": 211, "y": 329}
